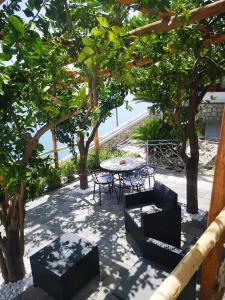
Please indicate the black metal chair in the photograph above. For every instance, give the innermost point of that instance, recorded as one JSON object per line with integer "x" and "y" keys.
{"x": 130, "y": 182}
{"x": 102, "y": 179}
{"x": 148, "y": 172}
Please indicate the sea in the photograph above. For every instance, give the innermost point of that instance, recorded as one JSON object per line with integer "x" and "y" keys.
{"x": 118, "y": 118}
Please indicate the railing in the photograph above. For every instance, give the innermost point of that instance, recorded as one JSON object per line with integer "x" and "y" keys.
{"x": 107, "y": 137}
{"x": 164, "y": 153}
{"x": 180, "y": 276}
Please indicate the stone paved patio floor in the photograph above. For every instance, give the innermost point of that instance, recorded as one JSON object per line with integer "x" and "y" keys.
{"x": 65, "y": 210}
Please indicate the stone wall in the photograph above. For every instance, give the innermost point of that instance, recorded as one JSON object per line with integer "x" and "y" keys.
{"x": 123, "y": 133}
{"x": 211, "y": 112}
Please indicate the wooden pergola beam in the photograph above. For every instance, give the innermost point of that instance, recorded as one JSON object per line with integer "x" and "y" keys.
{"x": 146, "y": 61}
{"x": 213, "y": 40}
{"x": 106, "y": 73}
{"x": 144, "y": 9}
{"x": 210, "y": 267}
{"x": 126, "y": 2}
{"x": 198, "y": 14}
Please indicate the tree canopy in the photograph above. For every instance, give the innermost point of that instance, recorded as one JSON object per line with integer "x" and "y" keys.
{"x": 39, "y": 39}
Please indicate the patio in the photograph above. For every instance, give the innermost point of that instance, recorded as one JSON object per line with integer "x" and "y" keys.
{"x": 65, "y": 210}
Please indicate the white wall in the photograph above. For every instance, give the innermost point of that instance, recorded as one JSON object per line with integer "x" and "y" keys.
{"x": 218, "y": 97}
{"x": 212, "y": 130}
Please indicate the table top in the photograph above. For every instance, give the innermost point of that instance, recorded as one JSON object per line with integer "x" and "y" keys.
{"x": 63, "y": 253}
{"x": 114, "y": 164}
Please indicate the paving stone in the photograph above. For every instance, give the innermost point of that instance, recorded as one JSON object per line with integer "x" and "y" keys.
{"x": 68, "y": 211}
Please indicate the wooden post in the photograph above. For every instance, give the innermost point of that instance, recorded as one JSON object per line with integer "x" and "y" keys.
{"x": 96, "y": 141}
{"x": 197, "y": 14}
{"x": 210, "y": 267}
{"x": 117, "y": 119}
{"x": 54, "y": 143}
{"x": 173, "y": 285}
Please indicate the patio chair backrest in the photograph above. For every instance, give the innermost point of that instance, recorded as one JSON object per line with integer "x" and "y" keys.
{"x": 164, "y": 196}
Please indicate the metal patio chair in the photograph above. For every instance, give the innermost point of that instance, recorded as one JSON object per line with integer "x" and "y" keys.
{"x": 129, "y": 181}
{"x": 148, "y": 172}
{"x": 102, "y": 179}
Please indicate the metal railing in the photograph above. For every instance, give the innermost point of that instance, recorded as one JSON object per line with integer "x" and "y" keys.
{"x": 164, "y": 153}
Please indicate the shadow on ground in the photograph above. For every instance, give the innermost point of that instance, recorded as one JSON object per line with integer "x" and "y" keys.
{"x": 66, "y": 210}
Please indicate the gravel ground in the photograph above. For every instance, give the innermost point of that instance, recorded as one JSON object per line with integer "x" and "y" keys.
{"x": 11, "y": 290}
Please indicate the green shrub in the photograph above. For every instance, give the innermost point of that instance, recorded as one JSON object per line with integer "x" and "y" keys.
{"x": 200, "y": 125}
{"x": 53, "y": 179}
{"x": 153, "y": 129}
{"x": 36, "y": 183}
{"x": 36, "y": 188}
{"x": 68, "y": 169}
{"x": 109, "y": 152}
{"x": 93, "y": 161}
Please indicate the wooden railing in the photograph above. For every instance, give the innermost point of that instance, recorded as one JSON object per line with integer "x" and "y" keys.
{"x": 180, "y": 276}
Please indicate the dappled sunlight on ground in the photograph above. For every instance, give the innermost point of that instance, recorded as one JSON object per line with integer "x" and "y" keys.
{"x": 67, "y": 210}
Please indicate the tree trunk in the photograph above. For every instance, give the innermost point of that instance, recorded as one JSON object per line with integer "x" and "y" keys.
{"x": 97, "y": 144}
{"x": 3, "y": 267}
{"x": 54, "y": 143}
{"x": 12, "y": 212}
{"x": 12, "y": 240}
{"x": 192, "y": 185}
{"x": 83, "y": 162}
{"x": 192, "y": 160}
{"x": 83, "y": 171}
{"x": 95, "y": 103}
{"x": 11, "y": 258}
{"x": 14, "y": 250}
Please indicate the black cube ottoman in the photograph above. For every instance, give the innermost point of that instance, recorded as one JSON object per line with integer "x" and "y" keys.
{"x": 62, "y": 267}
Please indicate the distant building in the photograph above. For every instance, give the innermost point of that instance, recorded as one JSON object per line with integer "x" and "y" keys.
{"x": 211, "y": 113}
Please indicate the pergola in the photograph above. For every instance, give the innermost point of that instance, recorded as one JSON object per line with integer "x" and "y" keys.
{"x": 210, "y": 246}
{"x": 204, "y": 247}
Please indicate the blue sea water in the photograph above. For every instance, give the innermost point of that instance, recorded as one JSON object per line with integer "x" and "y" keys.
{"x": 123, "y": 117}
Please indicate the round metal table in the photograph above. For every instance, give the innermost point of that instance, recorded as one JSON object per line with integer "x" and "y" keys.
{"x": 118, "y": 165}
{"x": 115, "y": 164}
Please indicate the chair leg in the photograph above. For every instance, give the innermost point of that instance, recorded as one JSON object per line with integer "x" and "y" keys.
{"x": 153, "y": 179}
{"x": 121, "y": 194}
{"x": 117, "y": 196}
{"x": 94, "y": 192}
{"x": 100, "y": 200}
{"x": 110, "y": 191}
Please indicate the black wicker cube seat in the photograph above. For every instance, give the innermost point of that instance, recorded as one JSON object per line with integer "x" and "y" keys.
{"x": 141, "y": 281}
{"x": 153, "y": 214}
{"x": 136, "y": 212}
{"x": 153, "y": 218}
{"x": 64, "y": 266}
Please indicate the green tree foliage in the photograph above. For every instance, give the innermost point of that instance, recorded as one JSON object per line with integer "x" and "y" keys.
{"x": 153, "y": 129}
{"x": 97, "y": 48}
{"x": 37, "y": 94}
{"x": 182, "y": 71}
{"x": 30, "y": 105}
{"x": 111, "y": 95}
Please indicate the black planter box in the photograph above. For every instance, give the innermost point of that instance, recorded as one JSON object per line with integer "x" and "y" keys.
{"x": 64, "y": 266}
